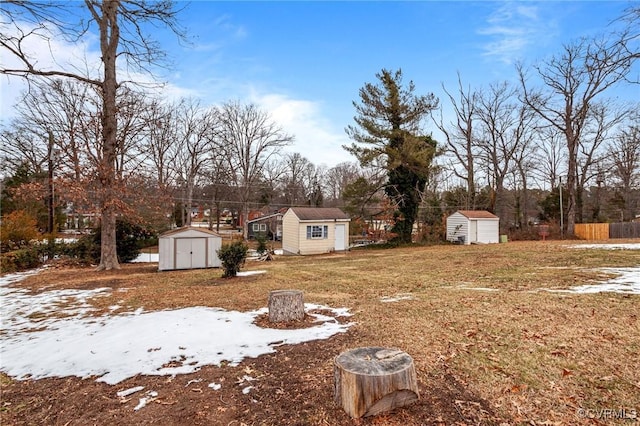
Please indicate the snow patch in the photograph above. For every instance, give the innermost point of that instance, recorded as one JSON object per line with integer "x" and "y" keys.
{"x": 129, "y": 391}
{"x": 396, "y": 298}
{"x": 147, "y": 258}
{"x": 36, "y": 343}
{"x": 627, "y": 281}
{"x": 619, "y": 246}
{"x": 248, "y": 273}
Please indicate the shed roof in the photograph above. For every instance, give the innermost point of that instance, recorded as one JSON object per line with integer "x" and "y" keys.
{"x": 319, "y": 213}
{"x": 477, "y": 214}
{"x": 189, "y": 228}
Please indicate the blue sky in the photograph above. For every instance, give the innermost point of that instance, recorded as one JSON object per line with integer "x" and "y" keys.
{"x": 306, "y": 61}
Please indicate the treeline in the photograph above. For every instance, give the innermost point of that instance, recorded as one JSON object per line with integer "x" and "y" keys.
{"x": 80, "y": 145}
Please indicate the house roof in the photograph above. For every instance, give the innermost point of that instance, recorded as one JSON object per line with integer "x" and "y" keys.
{"x": 319, "y": 213}
{"x": 258, "y": 219}
{"x": 477, "y": 214}
{"x": 190, "y": 228}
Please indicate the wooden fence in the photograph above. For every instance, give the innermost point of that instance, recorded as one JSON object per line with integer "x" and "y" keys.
{"x": 605, "y": 231}
{"x": 624, "y": 230}
{"x": 592, "y": 231}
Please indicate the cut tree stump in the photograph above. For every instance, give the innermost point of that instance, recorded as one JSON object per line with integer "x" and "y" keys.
{"x": 373, "y": 380}
{"x": 286, "y": 305}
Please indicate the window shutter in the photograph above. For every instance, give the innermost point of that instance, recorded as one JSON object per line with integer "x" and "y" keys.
{"x": 308, "y": 232}
{"x": 325, "y": 232}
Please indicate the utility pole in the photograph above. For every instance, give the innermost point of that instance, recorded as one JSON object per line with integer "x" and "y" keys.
{"x": 50, "y": 165}
{"x": 561, "y": 212}
{"x": 50, "y": 227}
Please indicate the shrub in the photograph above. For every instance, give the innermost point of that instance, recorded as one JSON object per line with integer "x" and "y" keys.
{"x": 130, "y": 238}
{"x": 261, "y": 238}
{"x": 18, "y": 230}
{"x": 232, "y": 256}
{"x": 20, "y": 260}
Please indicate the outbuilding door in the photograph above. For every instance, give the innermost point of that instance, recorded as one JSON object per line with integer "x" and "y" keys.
{"x": 473, "y": 231}
{"x": 340, "y": 239}
{"x": 191, "y": 253}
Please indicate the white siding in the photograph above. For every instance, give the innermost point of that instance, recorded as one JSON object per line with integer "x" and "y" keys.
{"x": 457, "y": 226}
{"x": 488, "y": 230}
{"x": 290, "y": 236}
{"x": 474, "y": 230}
{"x": 188, "y": 248}
{"x": 165, "y": 254}
{"x": 294, "y": 235}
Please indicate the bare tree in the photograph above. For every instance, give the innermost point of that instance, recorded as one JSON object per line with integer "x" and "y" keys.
{"x": 296, "y": 184}
{"x": 603, "y": 117}
{"x": 572, "y": 82}
{"x": 629, "y": 36}
{"x": 550, "y": 156}
{"x": 497, "y": 144}
{"x": 197, "y": 130}
{"x": 120, "y": 25}
{"x": 159, "y": 143}
{"x": 336, "y": 180}
{"x": 460, "y": 137}
{"x": 625, "y": 164}
{"x": 217, "y": 177}
{"x": 250, "y": 139}
{"x": 302, "y": 181}
{"x": 19, "y": 146}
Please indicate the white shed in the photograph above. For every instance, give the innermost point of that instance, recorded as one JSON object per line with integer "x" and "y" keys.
{"x": 473, "y": 226}
{"x": 188, "y": 248}
{"x": 314, "y": 230}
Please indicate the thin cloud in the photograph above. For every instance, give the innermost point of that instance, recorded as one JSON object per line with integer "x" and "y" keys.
{"x": 513, "y": 29}
{"x": 224, "y": 23}
{"x": 315, "y": 137}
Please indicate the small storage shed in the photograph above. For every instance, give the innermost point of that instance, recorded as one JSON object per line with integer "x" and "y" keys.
{"x": 313, "y": 230}
{"x": 188, "y": 248}
{"x": 473, "y": 226}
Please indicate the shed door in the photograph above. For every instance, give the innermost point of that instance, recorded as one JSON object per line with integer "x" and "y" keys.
{"x": 191, "y": 253}
{"x": 473, "y": 232}
{"x": 340, "y": 240}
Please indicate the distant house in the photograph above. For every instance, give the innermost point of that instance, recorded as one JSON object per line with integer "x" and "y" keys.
{"x": 311, "y": 230}
{"x": 188, "y": 248}
{"x": 269, "y": 226}
{"x": 473, "y": 226}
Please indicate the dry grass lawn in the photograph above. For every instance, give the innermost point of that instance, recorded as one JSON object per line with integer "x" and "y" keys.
{"x": 534, "y": 356}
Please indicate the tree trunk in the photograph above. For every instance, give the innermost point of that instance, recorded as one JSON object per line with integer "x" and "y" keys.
{"x": 286, "y": 305}
{"x": 109, "y": 38}
{"x": 373, "y": 380}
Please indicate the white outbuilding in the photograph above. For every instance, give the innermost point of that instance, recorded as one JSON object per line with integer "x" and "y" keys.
{"x": 472, "y": 227}
{"x": 188, "y": 248}
{"x": 314, "y": 230}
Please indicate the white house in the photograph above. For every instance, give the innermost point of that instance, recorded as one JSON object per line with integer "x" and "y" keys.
{"x": 188, "y": 248}
{"x": 473, "y": 226}
{"x": 311, "y": 230}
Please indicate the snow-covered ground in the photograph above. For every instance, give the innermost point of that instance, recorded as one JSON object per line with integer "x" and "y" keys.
{"x": 52, "y": 334}
{"x": 147, "y": 258}
{"x": 626, "y": 280}
{"x": 619, "y": 246}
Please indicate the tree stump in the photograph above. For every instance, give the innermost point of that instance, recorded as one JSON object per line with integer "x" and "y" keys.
{"x": 286, "y": 305}
{"x": 373, "y": 380}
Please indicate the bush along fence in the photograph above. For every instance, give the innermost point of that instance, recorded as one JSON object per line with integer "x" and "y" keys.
{"x": 605, "y": 231}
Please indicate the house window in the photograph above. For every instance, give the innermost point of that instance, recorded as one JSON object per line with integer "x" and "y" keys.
{"x": 256, "y": 227}
{"x": 263, "y": 226}
{"x": 315, "y": 232}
